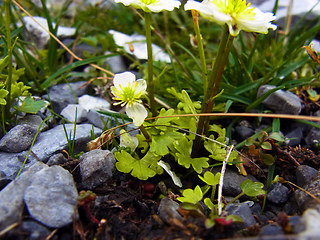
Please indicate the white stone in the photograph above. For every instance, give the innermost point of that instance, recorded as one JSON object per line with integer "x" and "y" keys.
{"x": 311, "y": 220}
{"x": 40, "y": 35}
{"x": 93, "y": 103}
{"x": 136, "y": 45}
{"x": 69, "y": 113}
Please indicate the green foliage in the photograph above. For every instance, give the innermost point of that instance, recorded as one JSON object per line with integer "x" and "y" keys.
{"x": 29, "y": 105}
{"x": 3, "y": 94}
{"x": 191, "y": 196}
{"x": 183, "y": 156}
{"x": 139, "y": 168}
{"x": 252, "y": 189}
{"x": 210, "y": 179}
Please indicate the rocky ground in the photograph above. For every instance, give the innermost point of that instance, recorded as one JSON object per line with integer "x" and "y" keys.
{"x": 57, "y": 196}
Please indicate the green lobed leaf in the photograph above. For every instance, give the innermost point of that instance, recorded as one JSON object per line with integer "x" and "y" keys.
{"x": 184, "y": 148}
{"x": 210, "y": 179}
{"x": 3, "y": 94}
{"x": 191, "y": 196}
{"x": 29, "y": 105}
{"x": 139, "y": 168}
{"x": 252, "y": 189}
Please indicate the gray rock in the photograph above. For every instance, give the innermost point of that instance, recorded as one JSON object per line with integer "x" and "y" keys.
{"x": 35, "y": 229}
{"x": 11, "y": 204}
{"x": 281, "y": 101}
{"x": 272, "y": 230}
{"x": 105, "y": 122}
{"x": 310, "y": 219}
{"x": 97, "y": 119}
{"x": 34, "y": 121}
{"x": 61, "y": 95}
{"x": 10, "y": 163}
{"x": 54, "y": 140}
{"x": 244, "y": 132}
{"x": 82, "y": 50}
{"x": 312, "y": 137}
{"x": 4, "y": 180}
{"x": 296, "y": 224}
{"x": 57, "y": 5}
{"x": 304, "y": 200}
{"x": 242, "y": 210}
{"x": 95, "y": 103}
{"x": 278, "y": 194}
{"x": 57, "y": 159}
{"x": 295, "y": 136}
{"x": 39, "y": 35}
{"x": 116, "y": 63}
{"x": 73, "y": 111}
{"x": 232, "y": 181}
{"x": 52, "y": 197}
{"x": 18, "y": 139}
{"x": 305, "y": 174}
{"x": 96, "y": 167}
{"x": 168, "y": 210}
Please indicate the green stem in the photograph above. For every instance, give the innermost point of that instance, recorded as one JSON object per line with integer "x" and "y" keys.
{"x": 236, "y": 198}
{"x": 213, "y": 193}
{"x": 214, "y": 81}
{"x": 150, "y": 87}
{"x": 201, "y": 50}
{"x": 145, "y": 133}
{"x": 9, "y": 47}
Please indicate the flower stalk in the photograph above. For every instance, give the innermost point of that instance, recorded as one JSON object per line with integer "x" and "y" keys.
{"x": 150, "y": 85}
{"x": 214, "y": 81}
{"x": 195, "y": 15}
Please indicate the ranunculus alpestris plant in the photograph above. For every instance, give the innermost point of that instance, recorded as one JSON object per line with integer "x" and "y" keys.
{"x": 129, "y": 92}
{"x": 237, "y": 14}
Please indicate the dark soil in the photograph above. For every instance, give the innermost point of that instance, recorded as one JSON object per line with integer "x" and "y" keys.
{"x": 126, "y": 208}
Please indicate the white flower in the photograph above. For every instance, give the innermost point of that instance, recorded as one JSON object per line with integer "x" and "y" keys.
{"x": 136, "y": 44}
{"x": 129, "y": 91}
{"x": 236, "y": 13}
{"x": 152, "y": 5}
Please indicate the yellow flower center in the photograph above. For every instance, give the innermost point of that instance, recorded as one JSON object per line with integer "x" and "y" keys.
{"x": 127, "y": 95}
{"x": 148, "y": 2}
{"x": 235, "y": 8}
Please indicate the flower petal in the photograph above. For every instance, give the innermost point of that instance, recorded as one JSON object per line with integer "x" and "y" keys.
{"x": 161, "y": 5}
{"x": 123, "y": 79}
{"x": 208, "y": 11}
{"x": 261, "y": 23}
{"x": 141, "y": 86}
{"x": 236, "y": 13}
{"x": 137, "y": 112}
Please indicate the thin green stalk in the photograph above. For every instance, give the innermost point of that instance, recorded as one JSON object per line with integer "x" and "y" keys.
{"x": 214, "y": 81}
{"x": 9, "y": 47}
{"x": 150, "y": 87}
{"x": 145, "y": 133}
{"x": 201, "y": 50}
{"x": 236, "y": 197}
{"x": 33, "y": 141}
